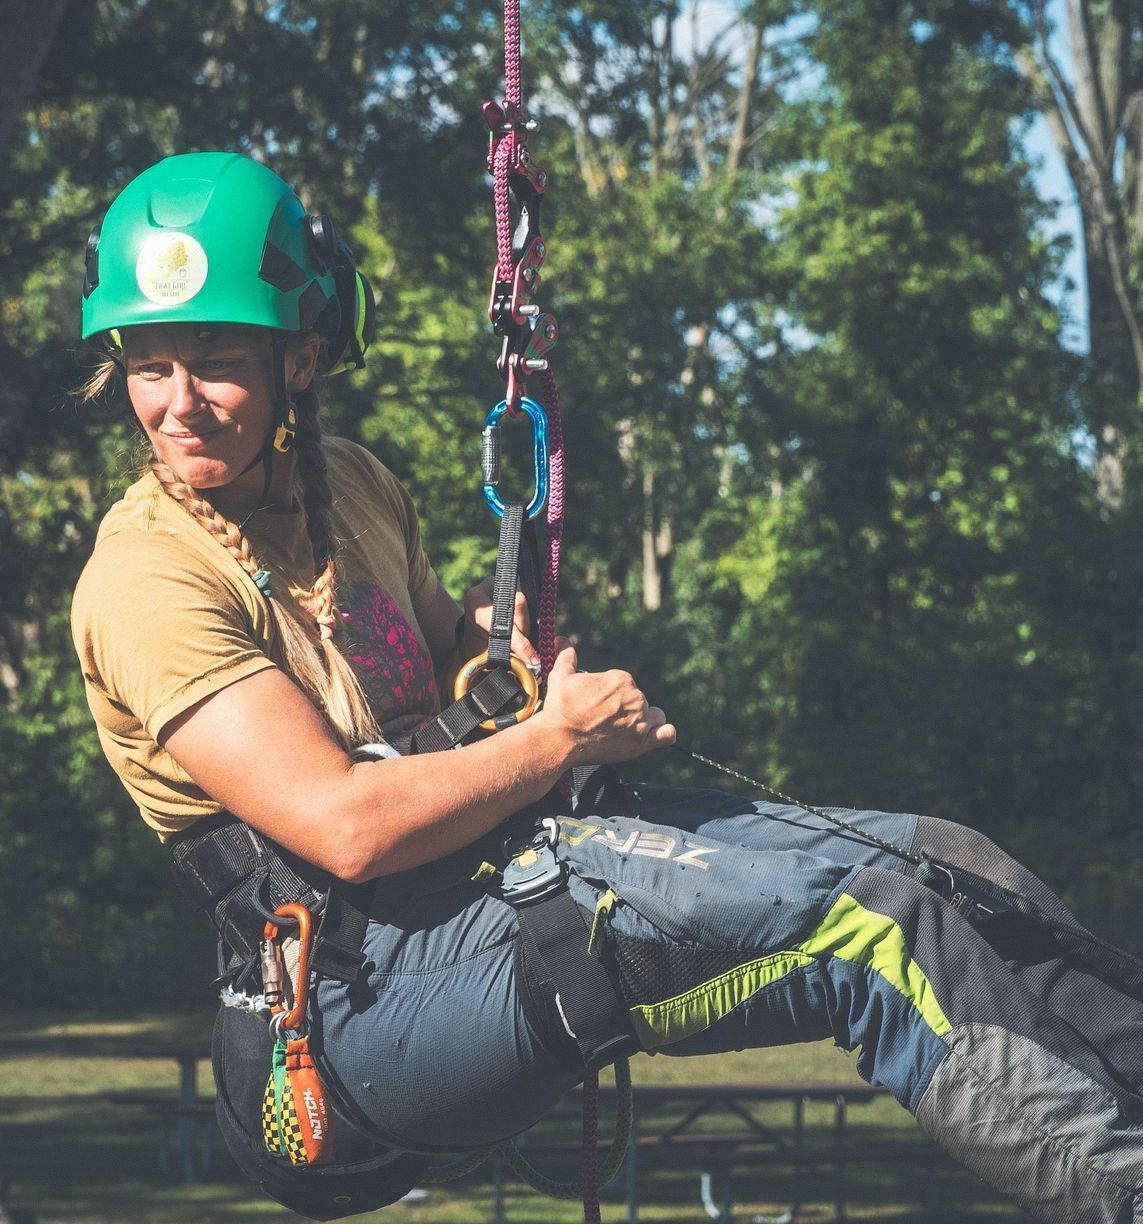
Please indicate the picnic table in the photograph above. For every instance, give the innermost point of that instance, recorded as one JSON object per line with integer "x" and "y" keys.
{"x": 185, "y": 1109}
{"x": 686, "y": 1137}
{"x": 681, "y": 1125}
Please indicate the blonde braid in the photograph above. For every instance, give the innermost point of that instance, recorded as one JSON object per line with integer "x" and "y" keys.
{"x": 318, "y": 501}
{"x": 345, "y": 698}
{"x": 313, "y": 664}
{"x": 223, "y": 530}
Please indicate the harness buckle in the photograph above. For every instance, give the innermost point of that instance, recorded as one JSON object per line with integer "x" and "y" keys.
{"x": 533, "y": 870}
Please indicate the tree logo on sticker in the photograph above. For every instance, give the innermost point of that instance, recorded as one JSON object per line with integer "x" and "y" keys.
{"x": 171, "y": 268}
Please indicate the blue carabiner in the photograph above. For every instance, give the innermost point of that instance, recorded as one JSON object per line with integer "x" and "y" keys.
{"x": 490, "y": 456}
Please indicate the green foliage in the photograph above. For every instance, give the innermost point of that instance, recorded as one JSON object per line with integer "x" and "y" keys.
{"x": 831, "y": 491}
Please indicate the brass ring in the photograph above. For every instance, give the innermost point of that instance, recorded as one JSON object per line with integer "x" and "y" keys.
{"x": 528, "y": 682}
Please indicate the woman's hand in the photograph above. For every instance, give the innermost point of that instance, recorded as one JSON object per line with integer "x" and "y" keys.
{"x": 478, "y": 623}
{"x": 605, "y": 714}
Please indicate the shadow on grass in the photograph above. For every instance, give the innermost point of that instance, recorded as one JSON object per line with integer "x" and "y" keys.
{"x": 71, "y": 1155}
{"x": 85, "y": 1162}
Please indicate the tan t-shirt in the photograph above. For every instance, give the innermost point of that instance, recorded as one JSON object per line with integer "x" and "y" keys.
{"x": 163, "y": 616}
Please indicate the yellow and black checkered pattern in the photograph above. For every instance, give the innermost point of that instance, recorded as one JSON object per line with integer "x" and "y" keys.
{"x": 285, "y": 1139}
{"x": 292, "y": 1131}
{"x": 271, "y": 1135}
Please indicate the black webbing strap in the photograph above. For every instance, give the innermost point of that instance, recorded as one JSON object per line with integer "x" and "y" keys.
{"x": 338, "y": 945}
{"x": 517, "y": 568}
{"x": 558, "y": 963}
{"x": 505, "y": 584}
{"x": 238, "y": 876}
{"x": 484, "y": 700}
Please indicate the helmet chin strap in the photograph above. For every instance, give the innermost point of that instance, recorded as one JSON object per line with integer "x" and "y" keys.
{"x": 280, "y": 436}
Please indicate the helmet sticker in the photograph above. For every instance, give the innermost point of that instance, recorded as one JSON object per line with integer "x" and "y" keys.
{"x": 171, "y": 268}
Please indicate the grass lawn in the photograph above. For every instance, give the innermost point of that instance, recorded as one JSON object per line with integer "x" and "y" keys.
{"x": 70, "y": 1154}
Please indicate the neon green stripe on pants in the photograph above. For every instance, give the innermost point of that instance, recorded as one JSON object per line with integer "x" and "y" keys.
{"x": 849, "y": 932}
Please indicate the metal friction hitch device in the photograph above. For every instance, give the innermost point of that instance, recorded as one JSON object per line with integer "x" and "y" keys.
{"x": 527, "y": 334}
{"x": 533, "y": 869}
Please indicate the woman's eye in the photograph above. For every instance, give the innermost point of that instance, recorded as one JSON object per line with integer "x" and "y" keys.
{"x": 149, "y": 369}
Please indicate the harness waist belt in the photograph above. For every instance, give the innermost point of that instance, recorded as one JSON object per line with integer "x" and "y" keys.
{"x": 239, "y": 877}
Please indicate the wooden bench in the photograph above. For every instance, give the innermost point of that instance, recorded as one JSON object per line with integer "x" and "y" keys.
{"x": 175, "y": 1117}
{"x": 677, "y": 1143}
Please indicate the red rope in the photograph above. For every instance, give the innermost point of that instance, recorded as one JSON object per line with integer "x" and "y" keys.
{"x": 590, "y": 1166}
{"x": 506, "y": 149}
{"x": 500, "y": 205}
{"x": 554, "y": 519}
{"x": 512, "y": 52}
{"x": 501, "y": 164}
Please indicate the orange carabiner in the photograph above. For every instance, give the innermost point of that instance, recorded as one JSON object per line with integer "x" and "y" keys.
{"x": 295, "y": 1018}
{"x": 466, "y": 677}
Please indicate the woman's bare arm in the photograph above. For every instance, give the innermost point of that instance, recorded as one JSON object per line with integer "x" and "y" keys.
{"x": 260, "y": 749}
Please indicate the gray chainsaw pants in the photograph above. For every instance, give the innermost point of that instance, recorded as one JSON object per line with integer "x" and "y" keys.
{"x": 743, "y": 924}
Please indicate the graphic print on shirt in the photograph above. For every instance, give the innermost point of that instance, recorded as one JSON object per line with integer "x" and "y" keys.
{"x": 395, "y": 669}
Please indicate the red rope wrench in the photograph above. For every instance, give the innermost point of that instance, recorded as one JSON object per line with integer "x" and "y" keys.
{"x": 528, "y": 335}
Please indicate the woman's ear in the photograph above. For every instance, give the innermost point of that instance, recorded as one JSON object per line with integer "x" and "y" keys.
{"x": 302, "y": 361}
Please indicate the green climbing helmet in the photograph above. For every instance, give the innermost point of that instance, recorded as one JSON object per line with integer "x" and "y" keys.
{"x": 220, "y": 238}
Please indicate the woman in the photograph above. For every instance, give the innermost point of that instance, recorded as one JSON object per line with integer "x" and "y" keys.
{"x": 258, "y": 606}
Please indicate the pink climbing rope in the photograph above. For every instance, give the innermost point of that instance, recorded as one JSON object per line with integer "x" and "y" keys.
{"x": 499, "y": 165}
{"x": 504, "y": 150}
{"x": 512, "y": 52}
{"x": 503, "y": 159}
{"x": 554, "y": 522}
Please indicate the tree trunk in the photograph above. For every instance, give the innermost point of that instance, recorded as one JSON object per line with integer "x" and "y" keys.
{"x": 1114, "y": 381}
{"x": 30, "y": 27}
{"x": 652, "y": 578}
{"x": 1095, "y": 121}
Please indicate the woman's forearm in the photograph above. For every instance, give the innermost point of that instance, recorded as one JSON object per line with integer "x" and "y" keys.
{"x": 397, "y": 814}
{"x": 262, "y": 751}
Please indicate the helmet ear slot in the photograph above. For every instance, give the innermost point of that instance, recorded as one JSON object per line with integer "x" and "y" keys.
{"x": 351, "y": 331}
{"x": 91, "y": 262}
{"x": 323, "y": 240}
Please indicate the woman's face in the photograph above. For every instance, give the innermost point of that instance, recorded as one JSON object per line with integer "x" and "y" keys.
{"x": 205, "y": 396}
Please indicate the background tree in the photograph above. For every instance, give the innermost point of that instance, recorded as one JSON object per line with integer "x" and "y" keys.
{"x": 1094, "y": 110}
{"x": 834, "y": 497}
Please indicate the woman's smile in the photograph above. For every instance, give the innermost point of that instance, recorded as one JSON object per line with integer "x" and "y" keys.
{"x": 192, "y": 439}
